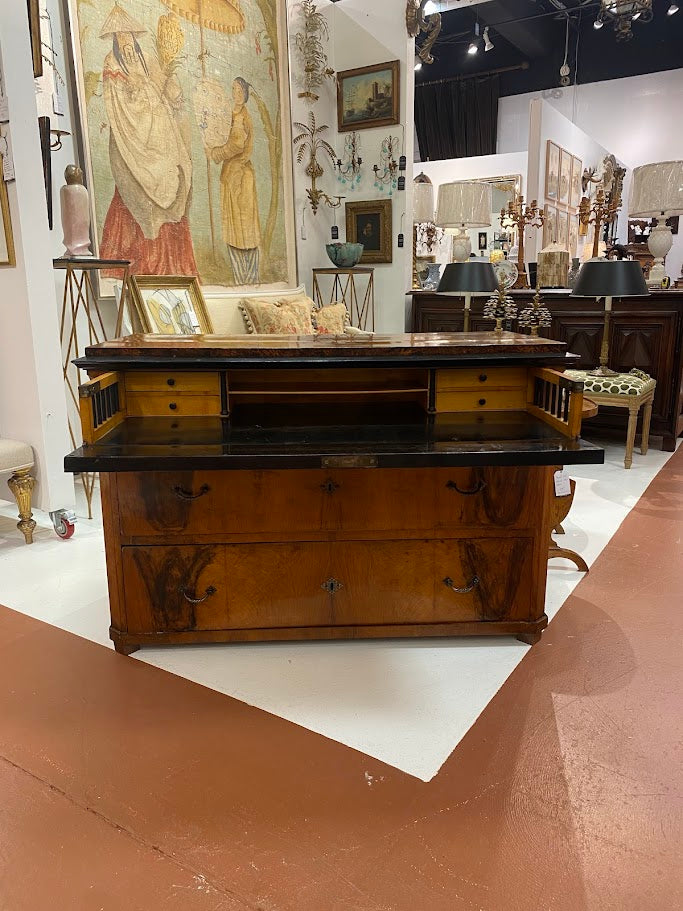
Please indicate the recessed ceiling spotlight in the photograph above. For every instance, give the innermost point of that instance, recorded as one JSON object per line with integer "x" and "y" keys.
{"x": 488, "y": 44}
{"x": 430, "y": 8}
{"x": 598, "y": 23}
{"x": 672, "y": 9}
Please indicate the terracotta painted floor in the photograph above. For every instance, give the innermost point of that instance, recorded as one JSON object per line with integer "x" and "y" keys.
{"x": 125, "y": 787}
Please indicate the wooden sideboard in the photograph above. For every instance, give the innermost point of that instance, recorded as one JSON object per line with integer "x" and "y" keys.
{"x": 646, "y": 333}
{"x": 327, "y": 487}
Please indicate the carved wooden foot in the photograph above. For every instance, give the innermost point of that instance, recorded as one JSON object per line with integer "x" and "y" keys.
{"x": 21, "y": 484}
{"x": 123, "y": 649}
{"x": 577, "y": 559}
{"x": 530, "y": 638}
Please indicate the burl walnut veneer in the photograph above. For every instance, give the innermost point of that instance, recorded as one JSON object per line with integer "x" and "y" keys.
{"x": 330, "y": 487}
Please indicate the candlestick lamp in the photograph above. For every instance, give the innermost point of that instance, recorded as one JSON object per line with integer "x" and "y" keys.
{"x": 657, "y": 192}
{"x": 472, "y": 277}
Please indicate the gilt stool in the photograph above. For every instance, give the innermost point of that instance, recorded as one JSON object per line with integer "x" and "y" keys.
{"x": 17, "y": 458}
{"x": 623, "y": 390}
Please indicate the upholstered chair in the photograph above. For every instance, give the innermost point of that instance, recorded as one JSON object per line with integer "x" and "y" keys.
{"x": 17, "y": 459}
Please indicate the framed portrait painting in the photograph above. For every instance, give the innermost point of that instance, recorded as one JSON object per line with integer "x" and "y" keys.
{"x": 565, "y": 177}
{"x": 552, "y": 171}
{"x": 368, "y": 97}
{"x": 170, "y": 305}
{"x": 184, "y": 110}
{"x": 575, "y": 184}
{"x": 369, "y": 223}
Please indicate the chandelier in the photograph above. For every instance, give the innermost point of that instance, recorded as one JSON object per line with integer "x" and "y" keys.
{"x": 623, "y": 13}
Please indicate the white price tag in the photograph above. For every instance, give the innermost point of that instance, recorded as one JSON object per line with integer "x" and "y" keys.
{"x": 7, "y": 157}
{"x": 562, "y": 485}
{"x": 4, "y": 109}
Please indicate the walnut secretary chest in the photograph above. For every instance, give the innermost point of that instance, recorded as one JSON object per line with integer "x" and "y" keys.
{"x": 327, "y": 487}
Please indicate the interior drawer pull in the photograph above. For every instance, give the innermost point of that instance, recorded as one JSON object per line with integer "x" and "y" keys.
{"x": 461, "y": 591}
{"x": 478, "y": 487}
{"x": 207, "y": 594}
{"x": 183, "y": 494}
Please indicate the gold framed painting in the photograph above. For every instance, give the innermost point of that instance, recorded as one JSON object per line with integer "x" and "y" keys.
{"x": 369, "y": 223}
{"x": 552, "y": 171}
{"x": 575, "y": 186}
{"x": 7, "y": 255}
{"x": 184, "y": 114}
{"x": 573, "y": 234}
{"x": 549, "y": 225}
{"x": 170, "y": 304}
{"x": 368, "y": 97}
{"x": 563, "y": 228}
{"x": 565, "y": 178}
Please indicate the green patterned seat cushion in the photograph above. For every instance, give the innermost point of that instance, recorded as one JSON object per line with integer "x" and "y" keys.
{"x": 633, "y": 383}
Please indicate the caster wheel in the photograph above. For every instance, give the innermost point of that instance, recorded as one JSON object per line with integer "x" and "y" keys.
{"x": 64, "y": 522}
{"x": 65, "y": 529}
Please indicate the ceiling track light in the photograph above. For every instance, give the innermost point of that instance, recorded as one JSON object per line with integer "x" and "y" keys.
{"x": 474, "y": 43}
{"x": 598, "y": 23}
{"x": 488, "y": 44}
{"x": 672, "y": 9}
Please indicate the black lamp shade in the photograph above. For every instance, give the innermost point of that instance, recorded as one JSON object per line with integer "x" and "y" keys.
{"x": 471, "y": 277}
{"x": 610, "y": 278}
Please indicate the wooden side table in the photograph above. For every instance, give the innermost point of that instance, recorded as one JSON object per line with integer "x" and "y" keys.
{"x": 344, "y": 290}
{"x": 80, "y": 298}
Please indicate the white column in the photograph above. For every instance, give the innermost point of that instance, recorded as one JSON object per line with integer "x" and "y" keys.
{"x": 32, "y": 398}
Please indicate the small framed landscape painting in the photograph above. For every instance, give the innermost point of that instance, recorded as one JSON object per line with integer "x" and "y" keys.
{"x": 552, "y": 171}
{"x": 369, "y": 223}
{"x": 368, "y": 97}
{"x": 170, "y": 304}
{"x": 565, "y": 177}
{"x": 575, "y": 185}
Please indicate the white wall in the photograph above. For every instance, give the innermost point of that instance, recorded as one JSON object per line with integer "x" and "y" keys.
{"x": 353, "y": 43}
{"x": 635, "y": 118}
{"x": 547, "y": 123}
{"x": 32, "y": 401}
{"x": 475, "y": 168}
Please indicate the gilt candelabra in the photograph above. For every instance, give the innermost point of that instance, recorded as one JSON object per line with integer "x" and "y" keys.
{"x": 598, "y": 213}
{"x": 519, "y": 216}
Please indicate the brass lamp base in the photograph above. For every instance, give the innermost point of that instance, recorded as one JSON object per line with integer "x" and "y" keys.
{"x": 602, "y": 371}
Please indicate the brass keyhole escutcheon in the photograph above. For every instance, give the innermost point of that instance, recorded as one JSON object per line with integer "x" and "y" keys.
{"x": 332, "y": 586}
{"x": 329, "y": 486}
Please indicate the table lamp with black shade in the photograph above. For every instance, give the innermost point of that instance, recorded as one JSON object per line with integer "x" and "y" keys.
{"x": 468, "y": 278}
{"x": 609, "y": 278}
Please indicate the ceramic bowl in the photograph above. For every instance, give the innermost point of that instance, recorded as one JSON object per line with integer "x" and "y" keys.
{"x": 344, "y": 256}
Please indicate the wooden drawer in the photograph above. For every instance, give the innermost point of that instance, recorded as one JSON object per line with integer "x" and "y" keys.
{"x": 506, "y": 498}
{"x": 238, "y": 586}
{"x": 179, "y": 381}
{"x": 482, "y": 400}
{"x": 481, "y": 378}
{"x": 272, "y": 502}
{"x": 157, "y": 404}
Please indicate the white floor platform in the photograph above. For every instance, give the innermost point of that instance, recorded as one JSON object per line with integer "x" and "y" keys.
{"x": 407, "y": 703}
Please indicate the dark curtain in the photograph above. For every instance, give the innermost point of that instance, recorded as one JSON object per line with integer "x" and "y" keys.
{"x": 457, "y": 119}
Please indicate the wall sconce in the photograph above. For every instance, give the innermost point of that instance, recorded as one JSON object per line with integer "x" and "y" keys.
{"x": 418, "y": 21}
{"x": 386, "y": 173}
{"x": 349, "y": 167}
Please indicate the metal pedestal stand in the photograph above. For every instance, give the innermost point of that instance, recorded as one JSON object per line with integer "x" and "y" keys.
{"x": 344, "y": 290}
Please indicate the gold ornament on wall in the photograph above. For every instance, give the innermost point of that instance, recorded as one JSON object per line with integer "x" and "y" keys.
{"x": 310, "y": 143}
{"x": 309, "y": 44}
{"x": 417, "y": 21}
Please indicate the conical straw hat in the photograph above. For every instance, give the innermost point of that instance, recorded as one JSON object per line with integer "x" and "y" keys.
{"x": 219, "y": 15}
{"x": 118, "y": 20}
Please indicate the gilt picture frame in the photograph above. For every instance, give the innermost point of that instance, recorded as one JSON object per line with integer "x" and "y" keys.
{"x": 552, "y": 171}
{"x": 170, "y": 305}
{"x": 549, "y": 225}
{"x": 7, "y": 253}
{"x": 34, "y": 33}
{"x": 368, "y": 97}
{"x": 565, "y": 178}
{"x": 575, "y": 184}
{"x": 207, "y": 78}
{"x": 370, "y": 223}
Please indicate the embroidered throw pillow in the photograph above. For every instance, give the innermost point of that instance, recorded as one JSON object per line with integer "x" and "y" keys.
{"x": 278, "y": 316}
{"x": 331, "y": 320}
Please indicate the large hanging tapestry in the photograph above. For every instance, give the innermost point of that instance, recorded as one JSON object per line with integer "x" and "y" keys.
{"x": 185, "y": 117}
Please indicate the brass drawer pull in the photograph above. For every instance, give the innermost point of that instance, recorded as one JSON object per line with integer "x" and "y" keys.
{"x": 483, "y": 377}
{"x": 332, "y": 586}
{"x": 482, "y": 401}
{"x": 461, "y": 591}
{"x": 478, "y": 487}
{"x": 171, "y": 382}
{"x": 207, "y": 594}
{"x": 183, "y": 494}
{"x": 173, "y": 406}
{"x": 329, "y": 486}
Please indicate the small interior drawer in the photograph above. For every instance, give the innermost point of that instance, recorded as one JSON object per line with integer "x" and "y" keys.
{"x": 157, "y": 404}
{"x": 480, "y": 378}
{"x": 179, "y": 381}
{"x": 482, "y": 400}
